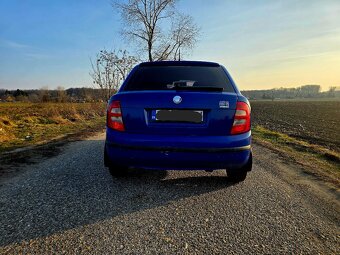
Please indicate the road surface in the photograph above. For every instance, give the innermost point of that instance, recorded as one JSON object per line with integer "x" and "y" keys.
{"x": 69, "y": 204}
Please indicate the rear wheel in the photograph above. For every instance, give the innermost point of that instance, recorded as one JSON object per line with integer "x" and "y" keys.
{"x": 240, "y": 174}
{"x": 115, "y": 170}
{"x": 237, "y": 175}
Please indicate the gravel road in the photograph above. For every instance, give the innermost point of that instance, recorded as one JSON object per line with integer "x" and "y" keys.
{"x": 69, "y": 204}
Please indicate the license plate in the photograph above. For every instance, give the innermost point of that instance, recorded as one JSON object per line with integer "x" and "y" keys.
{"x": 191, "y": 116}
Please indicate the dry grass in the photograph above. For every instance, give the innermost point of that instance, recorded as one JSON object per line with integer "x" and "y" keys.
{"x": 23, "y": 124}
{"x": 317, "y": 160}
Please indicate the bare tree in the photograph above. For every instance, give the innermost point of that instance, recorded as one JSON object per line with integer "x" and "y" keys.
{"x": 44, "y": 94}
{"x": 331, "y": 91}
{"x": 145, "y": 22}
{"x": 61, "y": 95}
{"x": 32, "y": 97}
{"x": 184, "y": 35}
{"x": 110, "y": 69}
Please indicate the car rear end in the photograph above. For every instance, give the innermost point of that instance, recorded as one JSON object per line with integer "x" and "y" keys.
{"x": 178, "y": 115}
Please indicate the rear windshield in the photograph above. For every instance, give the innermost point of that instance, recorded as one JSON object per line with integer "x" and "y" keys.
{"x": 168, "y": 77}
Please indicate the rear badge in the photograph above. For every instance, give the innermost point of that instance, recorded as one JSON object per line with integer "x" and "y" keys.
{"x": 177, "y": 99}
{"x": 224, "y": 104}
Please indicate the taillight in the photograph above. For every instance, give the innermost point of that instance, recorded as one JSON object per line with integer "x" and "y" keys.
{"x": 241, "y": 119}
{"x": 114, "y": 116}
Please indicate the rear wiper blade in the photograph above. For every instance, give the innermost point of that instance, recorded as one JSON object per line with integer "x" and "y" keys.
{"x": 189, "y": 85}
{"x": 198, "y": 88}
{"x": 180, "y": 83}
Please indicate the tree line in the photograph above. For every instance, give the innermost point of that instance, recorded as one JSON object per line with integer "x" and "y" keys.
{"x": 61, "y": 95}
{"x": 306, "y": 91}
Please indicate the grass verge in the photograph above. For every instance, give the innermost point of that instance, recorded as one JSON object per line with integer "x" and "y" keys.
{"x": 317, "y": 160}
{"x": 29, "y": 133}
{"x": 28, "y": 124}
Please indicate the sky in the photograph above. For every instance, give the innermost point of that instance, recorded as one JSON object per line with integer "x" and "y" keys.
{"x": 263, "y": 44}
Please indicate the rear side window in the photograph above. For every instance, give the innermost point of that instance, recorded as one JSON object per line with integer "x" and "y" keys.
{"x": 164, "y": 77}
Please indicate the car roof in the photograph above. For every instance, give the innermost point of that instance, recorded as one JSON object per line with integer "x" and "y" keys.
{"x": 179, "y": 63}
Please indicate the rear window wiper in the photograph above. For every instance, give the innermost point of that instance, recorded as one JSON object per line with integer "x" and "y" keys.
{"x": 189, "y": 86}
{"x": 198, "y": 88}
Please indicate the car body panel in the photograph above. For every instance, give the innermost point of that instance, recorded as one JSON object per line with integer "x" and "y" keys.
{"x": 137, "y": 112}
{"x": 177, "y": 160}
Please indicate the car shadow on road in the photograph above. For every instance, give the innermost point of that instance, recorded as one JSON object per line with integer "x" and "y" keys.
{"x": 78, "y": 193}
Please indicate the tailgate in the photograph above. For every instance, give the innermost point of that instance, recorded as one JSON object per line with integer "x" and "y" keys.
{"x": 197, "y": 113}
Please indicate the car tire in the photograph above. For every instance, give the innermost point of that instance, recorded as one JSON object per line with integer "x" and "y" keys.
{"x": 106, "y": 158}
{"x": 240, "y": 174}
{"x": 115, "y": 170}
{"x": 118, "y": 171}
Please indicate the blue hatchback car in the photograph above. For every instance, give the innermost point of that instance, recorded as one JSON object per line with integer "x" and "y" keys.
{"x": 179, "y": 115}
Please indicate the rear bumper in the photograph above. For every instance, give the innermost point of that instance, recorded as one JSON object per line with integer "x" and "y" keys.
{"x": 173, "y": 152}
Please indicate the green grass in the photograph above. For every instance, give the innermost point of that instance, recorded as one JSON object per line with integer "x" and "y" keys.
{"x": 321, "y": 161}
{"x": 308, "y": 99}
{"x": 25, "y": 124}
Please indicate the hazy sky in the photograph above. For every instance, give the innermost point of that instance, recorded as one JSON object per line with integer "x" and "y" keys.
{"x": 264, "y": 44}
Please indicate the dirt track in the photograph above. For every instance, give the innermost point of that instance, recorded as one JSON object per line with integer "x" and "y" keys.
{"x": 69, "y": 204}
